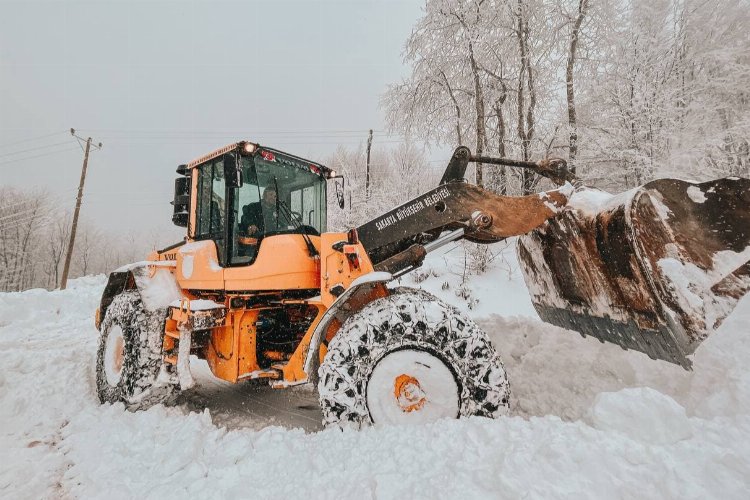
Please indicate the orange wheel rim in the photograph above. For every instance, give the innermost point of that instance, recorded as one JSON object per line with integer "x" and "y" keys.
{"x": 409, "y": 393}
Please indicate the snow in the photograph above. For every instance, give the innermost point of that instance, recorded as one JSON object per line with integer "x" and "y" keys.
{"x": 187, "y": 266}
{"x": 159, "y": 290}
{"x": 663, "y": 210}
{"x": 692, "y": 285}
{"x": 566, "y": 190}
{"x": 436, "y": 391}
{"x": 113, "y": 353}
{"x": 695, "y": 194}
{"x": 589, "y": 420}
{"x": 144, "y": 263}
{"x": 198, "y": 304}
{"x": 642, "y": 414}
{"x": 592, "y": 201}
{"x": 500, "y": 291}
{"x": 183, "y": 360}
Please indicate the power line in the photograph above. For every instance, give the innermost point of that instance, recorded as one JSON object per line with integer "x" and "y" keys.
{"x": 47, "y": 216}
{"x": 42, "y": 211}
{"x": 14, "y": 160}
{"x": 35, "y": 200}
{"x": 237, "y": 131}
{"x": 286, "y": 142}
{"x": 16, "y": 204}
{"x": 34, "y": 149}
{"x": 42, "y": 217}
{"x": 21, "y": 213}
{"x": 31, "y": 139}
{"x": 10, "y": 207}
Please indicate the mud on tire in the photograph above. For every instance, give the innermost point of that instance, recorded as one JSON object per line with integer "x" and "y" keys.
{"x": 417, "y": 321}
{"x": 139, "y": 377}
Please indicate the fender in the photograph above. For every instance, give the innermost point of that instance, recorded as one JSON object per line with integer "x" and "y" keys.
{"x": 154, "y": 281}
{"x": 355, "y": 297}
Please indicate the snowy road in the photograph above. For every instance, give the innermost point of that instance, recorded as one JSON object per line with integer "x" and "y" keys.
{"x": 589, "y": 420}
{"x": 249, "y": 405}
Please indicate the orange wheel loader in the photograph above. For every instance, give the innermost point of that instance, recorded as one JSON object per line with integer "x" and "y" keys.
{"x": 260, "y": 290}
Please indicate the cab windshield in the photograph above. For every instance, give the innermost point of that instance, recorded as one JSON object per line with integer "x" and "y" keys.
{"x": 278, "y": 195}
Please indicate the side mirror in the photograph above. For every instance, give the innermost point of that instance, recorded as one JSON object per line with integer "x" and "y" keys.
{"x": 340, "y": 191}
{"x": 232, "y": 170}
{"x": 181, "y": 201}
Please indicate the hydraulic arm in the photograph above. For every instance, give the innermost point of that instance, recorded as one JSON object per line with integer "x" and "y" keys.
{"x": 398, "y": 240}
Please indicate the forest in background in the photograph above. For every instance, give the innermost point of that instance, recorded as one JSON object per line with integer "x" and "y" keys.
{"x": 626, "y": 92}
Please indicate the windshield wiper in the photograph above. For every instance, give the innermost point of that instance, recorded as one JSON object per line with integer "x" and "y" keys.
{"x": 297, "y": 222}
{"x": 299, "y": 225}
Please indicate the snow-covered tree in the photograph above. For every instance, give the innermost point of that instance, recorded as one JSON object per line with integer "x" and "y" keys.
{"x": 627, "y": 91}
{"x": 396, "y": 175}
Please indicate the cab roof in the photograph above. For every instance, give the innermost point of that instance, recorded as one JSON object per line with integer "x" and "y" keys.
{"x": 247, "y": 148}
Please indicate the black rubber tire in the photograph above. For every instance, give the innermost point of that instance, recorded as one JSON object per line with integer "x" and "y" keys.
{"x": 146, "y": 380}
{"x": 409, "y": 319}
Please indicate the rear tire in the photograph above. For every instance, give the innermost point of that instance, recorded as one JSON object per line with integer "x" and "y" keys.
{"x": 410, "y": 358}
{"x": 129, "y": 362}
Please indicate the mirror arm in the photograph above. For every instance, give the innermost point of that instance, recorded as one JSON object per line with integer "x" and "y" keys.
{"x": 340, "y": 196}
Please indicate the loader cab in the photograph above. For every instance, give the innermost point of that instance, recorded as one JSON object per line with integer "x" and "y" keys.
{"x": 228, "y": 206}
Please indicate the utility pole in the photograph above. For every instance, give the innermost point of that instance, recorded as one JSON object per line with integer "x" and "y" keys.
{"x": 367, "y": 177}
{"x": 69, "y": 255}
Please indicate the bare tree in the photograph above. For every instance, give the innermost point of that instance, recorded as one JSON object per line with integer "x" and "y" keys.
{"x": 583, "y": 6}
{"x": 57, "y": 240}
{"x": 87, "y": 248}
{"x": 526, "y": 121}
{"x": 22, "y": 216}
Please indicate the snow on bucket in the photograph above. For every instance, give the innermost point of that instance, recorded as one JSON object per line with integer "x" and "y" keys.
{"x": 656, "y": 269}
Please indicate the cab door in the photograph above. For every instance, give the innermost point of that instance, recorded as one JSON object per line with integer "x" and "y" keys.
{"x": 200, "y": 263}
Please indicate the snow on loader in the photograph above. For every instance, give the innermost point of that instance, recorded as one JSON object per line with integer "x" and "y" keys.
{"x": 261, "y": 291}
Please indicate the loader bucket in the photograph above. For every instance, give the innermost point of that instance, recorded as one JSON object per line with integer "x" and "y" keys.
{"x": 655, "y": 269}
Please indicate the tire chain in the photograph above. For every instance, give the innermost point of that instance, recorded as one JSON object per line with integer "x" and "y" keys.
{"x": 410, "y": 319}
{"x": 146, "y": 380}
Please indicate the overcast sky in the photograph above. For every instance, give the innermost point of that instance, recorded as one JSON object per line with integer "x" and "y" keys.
{"x": 159, "y": 83}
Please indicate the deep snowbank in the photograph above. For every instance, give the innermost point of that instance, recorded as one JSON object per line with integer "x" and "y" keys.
{"x": 590, "y": 420}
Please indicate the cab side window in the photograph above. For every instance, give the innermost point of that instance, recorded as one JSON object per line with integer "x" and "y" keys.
{"x": 211, "y": 216}
{"x": 246, "y": 199}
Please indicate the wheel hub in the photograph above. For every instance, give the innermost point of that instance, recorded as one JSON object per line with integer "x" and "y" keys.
{"x": 409, "y": 393}
{"x": 114, "y": 355}
{"x": 411, "y": 386}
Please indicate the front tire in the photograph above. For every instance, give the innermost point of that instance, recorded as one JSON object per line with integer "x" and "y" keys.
{"x": 410, "y": 358}
{"x": 129, "y": 363}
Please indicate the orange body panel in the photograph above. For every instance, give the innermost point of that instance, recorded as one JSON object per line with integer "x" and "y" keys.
{"x": 193, "y": 203}
{"x": 231, "y": 352}
{"x": 247, "y": 356}
{"x": 198, "y": 266}
{"x": 283, "y": 263}
{"x": 339, "y": 268}
{"x": 222, "y": 352}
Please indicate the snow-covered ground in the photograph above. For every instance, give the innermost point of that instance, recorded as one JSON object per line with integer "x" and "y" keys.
{"x": 589, "y": 420}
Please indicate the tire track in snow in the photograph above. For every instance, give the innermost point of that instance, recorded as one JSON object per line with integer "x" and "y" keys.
{"x": 250, "y": 404}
